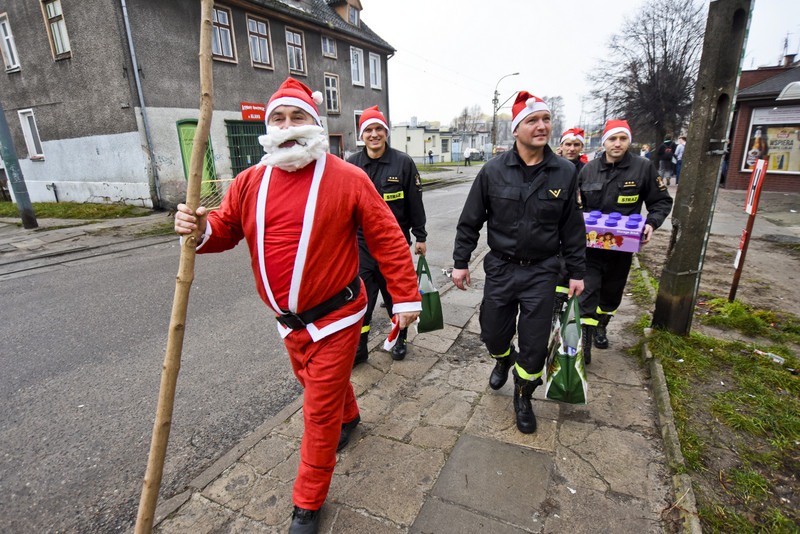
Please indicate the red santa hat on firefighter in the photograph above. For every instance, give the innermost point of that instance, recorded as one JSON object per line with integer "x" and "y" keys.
{"x": 294, "y": 93}
{"x": 372, "y": 116}
{"x": 614, "y": 127}
{"x": 573, "y": 133}
{"x": 524, "y": 105}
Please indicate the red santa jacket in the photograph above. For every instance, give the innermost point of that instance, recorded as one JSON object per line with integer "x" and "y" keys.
{"x": 341, "y": 199}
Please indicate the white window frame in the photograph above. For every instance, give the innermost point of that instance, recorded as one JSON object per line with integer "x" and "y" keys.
{"x": 31, "y": 133}
{"x": 356, "y": 119}
{"x": 374, "y": 70}
{"x": 357, "y": 61}
{"x": 9, "y": 47}
{"x": 332, "y": 97}
{"x": 332, "y": 41}
{"x": 352, "y": 15}
{"x": 56, "y": 29}
{"x": 264, "y": 42}
{"x": 222, "y": 32}
{"x": 301, "y": 47}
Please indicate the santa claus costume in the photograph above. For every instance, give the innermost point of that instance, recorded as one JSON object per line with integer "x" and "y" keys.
{"x": 299, "y": 219}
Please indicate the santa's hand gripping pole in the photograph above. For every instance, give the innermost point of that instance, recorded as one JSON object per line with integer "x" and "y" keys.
{"x": 183, "y": 282}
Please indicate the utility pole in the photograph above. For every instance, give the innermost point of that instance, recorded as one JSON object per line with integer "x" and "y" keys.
{"x": 723, "y": 51}
{"x": 14, "y": 173}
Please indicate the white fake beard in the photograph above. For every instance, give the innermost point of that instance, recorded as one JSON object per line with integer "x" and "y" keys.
{"x": 310, "y": 144}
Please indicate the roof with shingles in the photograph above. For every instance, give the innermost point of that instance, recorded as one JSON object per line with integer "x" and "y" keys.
{"x": 322, "y": 14}
{"x": 771, "y": 87}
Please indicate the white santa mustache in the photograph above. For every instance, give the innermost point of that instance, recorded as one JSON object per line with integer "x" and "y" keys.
{"x": 310, "y": 143}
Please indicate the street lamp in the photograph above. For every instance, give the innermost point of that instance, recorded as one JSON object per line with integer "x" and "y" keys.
{"x": 495, "y": 107}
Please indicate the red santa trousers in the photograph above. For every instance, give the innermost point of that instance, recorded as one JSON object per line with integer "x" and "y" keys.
{"x": 323, "y": 369}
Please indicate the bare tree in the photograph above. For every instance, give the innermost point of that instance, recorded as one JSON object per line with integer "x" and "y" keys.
{"x": 649, "y": 75}
{"x": 468, "y": 119}
{"x": 556, "y": 105}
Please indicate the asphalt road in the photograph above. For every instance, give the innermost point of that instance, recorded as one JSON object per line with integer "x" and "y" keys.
{"x": 82, "y": 348}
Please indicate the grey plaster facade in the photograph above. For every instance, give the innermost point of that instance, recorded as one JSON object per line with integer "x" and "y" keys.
{"x": 87, "y": 108}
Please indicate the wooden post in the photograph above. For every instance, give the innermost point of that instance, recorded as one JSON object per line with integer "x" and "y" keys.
{"x": 725, "y": 35}
{"x": 183, "y": 283}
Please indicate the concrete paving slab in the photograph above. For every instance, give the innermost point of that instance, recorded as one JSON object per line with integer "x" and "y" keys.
{"x": 271, "y": 502}
{"x": 347, "y": 520}
{"x": 573, "y": 471}
{"x": 487, "y": 476}
{"x": 287, "y": 471}
{"x": 458, "y": 315}
{"x": 452, "y": 410}
{"x": 474, "y": 325}
{"x": 470, "y": 298}
{"x": 269, "y": 453}
{"x": 614, "y": 366}
{"x": 472, "y": 376}
{"x": 385, "y": 478}
{"x": 620, "y": 406}
{"x": 594, "y": 512}
{"x": 441, "y": 517}
{"x": 416, "y": 364}
{"x": 432, "y": 343}
{"x": 494, "y": 419}
{"x": 234, "y": 488}
{"x": 434, "y": 437}
{"x": 199, "y": 516}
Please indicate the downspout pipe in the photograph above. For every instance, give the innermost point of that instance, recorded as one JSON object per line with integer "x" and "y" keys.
{"x": 153, "y": 166}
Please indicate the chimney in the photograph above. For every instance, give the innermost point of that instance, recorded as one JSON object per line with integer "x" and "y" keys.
{"x": 788, "y": 59}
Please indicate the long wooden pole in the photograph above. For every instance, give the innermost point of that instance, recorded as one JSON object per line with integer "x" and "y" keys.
{"x": 183, "y": 283}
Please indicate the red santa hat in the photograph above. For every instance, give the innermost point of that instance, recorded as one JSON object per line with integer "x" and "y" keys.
{"x": 294, "y": 93}
{"x": 524, "y": 105}
{"x": 573, "y": 133}
{"x": 372, "y": 116}
{"x": 614, "y": 127}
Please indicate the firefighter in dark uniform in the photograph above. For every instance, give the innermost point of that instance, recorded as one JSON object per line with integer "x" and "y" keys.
{"x": 396, "y": 178}
{"x": 528, "y": 197}
{"x": 618, "y": 181}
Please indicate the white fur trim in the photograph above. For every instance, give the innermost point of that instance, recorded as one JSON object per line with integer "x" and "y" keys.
{"x": 531, "y": 106}
{"x": 373, "y": 121}
{"x": 612, "y": 131}
{"x": 403, "y": 307}
{"x": 573, "y": 136}
{"x": 292, "y": 101}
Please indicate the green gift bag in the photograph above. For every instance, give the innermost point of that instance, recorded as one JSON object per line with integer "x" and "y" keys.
{"x": 566, "y": 376}
{"x": 430, "y": 318}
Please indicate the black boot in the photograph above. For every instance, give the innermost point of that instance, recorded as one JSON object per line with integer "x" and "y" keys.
{"x": 600, "y": 339}
{"x": 501, "y": 366}
{"x": 304, "y": 521}
{"x": 523, "y": 391}
{"x": 347, "y": 429}
{"x": 399, "y": 349}
{"x": 587, "y": 333}
{"x": 362, "y": 352}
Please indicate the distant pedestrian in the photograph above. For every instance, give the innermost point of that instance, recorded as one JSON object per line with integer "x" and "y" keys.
{"x": 679, "y": 157}
{"x": 645, "y": 152}
{"x": 666, "y": 159}
{"x": 430, "y": 157}
{"x": 467, "y": 154}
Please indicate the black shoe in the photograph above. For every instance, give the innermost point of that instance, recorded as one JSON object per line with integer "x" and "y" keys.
{"x": 347, "y": 429}
{"x": 304, "y": 521}
{"x": 362, "y": 353}
{"x": 499, "y": 374}
{"x": 600, "y": 338}
{"x": 399, "y": 350}
{"x": 523, "y": 391}
{"x": 587, "y": 332}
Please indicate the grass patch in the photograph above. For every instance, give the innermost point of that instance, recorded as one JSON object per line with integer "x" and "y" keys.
{"x": 738, "y": 419}
{"x": 73, "y": 210}
{"x": 637, "y": 283}
{"x": 167, "y": 228}
{"x": 781, "y": 327}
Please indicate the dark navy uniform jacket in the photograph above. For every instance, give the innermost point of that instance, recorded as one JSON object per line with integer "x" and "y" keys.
{"x": 525, "y": 220}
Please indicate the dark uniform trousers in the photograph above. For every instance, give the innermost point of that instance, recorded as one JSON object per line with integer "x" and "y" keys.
{"x": 528, "y": 289}
{"x": 604, "y": 284}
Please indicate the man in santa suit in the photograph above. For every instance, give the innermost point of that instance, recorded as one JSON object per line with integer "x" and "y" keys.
{"x": 299, "y": 210}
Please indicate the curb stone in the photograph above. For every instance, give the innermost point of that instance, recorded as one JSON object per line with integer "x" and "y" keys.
{"x": 685, "y": 502}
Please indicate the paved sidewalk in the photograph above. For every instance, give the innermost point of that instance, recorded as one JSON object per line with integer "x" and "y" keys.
{"x": 438, "y": 451}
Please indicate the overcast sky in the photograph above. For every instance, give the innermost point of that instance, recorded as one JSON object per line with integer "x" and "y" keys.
{"x": 451, "y": 54}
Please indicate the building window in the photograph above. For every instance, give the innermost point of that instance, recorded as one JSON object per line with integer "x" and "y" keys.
{"x": 332, "y": 93}
{"x": 374, "y": 71}
{"x": 296, "y": 51}
{"x": 328, "y": 46}
{"x": 352, "y": 15}
{"x": 445, "y": 145}
{"x": 357, "y": 65}
{"x": 57, "y": 30}
{"x": 222, "y": 46}
{"x": 260, "y": 43}
{"x": 10, "y": 56}
{"x": 31, "y": 134}
{"x": 357, "y": 119}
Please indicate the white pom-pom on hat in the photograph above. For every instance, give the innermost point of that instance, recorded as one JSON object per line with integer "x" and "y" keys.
{"x": 316, "y": 96}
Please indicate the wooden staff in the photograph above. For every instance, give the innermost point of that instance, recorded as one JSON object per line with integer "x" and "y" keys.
{"x": 183, "y": 283}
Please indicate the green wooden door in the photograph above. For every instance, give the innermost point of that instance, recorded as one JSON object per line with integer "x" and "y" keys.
{"x": 186, "y": 130}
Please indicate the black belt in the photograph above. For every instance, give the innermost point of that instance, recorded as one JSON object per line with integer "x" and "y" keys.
{"x": 517, "y": 261}
{"x": 298, "y": 321}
